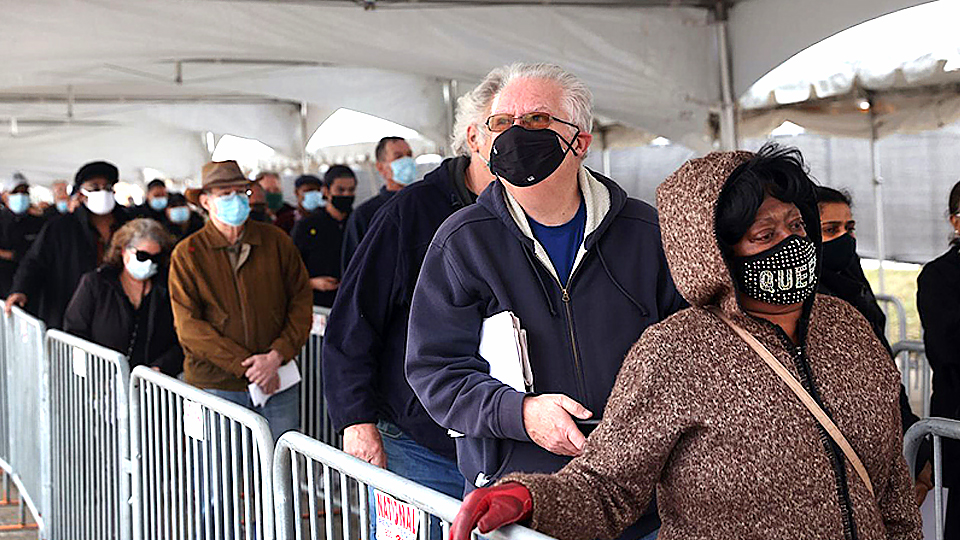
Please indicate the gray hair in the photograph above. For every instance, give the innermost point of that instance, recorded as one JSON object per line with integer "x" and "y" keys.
{"x": 134, "y": 232}
{"x": 474, "y": 106}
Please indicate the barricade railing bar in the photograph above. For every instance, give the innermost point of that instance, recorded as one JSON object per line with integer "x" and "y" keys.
{"x": 938, "y": 428}
{"x": 202, "y": 465}
{"x": 90, "y": 440}
{"x": 901, "y": 311}
{"x": 314, "y": 419}
{"x": 25, "y": 412}
{"x": 346, "y": 483}
{"x": 915, "y": 371}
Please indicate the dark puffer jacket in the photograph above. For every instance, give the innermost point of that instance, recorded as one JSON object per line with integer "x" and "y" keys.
{"x": 731, "y": 451}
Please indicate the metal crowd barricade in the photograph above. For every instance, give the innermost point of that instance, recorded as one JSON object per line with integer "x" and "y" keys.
{"x": 90, "y": 440}
{"x": 202, "y": 465}
{"x": 24, "y": 416}
{"x": 915, "y": 371}
{"x": 340, "y": 507}
{"x": 314, "y": 420}
{"x": 938, "y": 428}
{"x": 885, "y": 299}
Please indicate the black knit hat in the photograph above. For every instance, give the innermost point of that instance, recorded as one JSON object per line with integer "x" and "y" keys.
{"x": 96, "y": 169}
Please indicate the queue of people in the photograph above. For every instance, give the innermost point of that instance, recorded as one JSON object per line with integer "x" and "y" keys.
{"x": 714, "y": 368}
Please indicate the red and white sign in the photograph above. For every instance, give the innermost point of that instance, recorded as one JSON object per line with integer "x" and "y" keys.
{"x": 395, "y": 520}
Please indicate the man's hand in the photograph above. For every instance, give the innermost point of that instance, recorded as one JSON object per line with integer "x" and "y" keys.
{"x": 491, "y": 508}
{"x": 262, "y": 369}
{"x": 924, "y": 483}
{"x": 324, "y": 283}
{"x": 363, "y": 441}
{"x": 549, "y": 423}
{"x": 15, "y": 299}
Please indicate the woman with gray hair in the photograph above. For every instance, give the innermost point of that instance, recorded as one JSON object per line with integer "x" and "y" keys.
{"x": 124, "y": 305}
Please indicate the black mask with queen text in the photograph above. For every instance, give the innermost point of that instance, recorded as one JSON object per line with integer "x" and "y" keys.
{"x": 525, "y": 157}
{"x": 784, "y": 274}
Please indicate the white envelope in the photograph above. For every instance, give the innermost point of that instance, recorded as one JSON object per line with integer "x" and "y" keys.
{"x": 503, "y": 346}
{"x": 289, "y": 375}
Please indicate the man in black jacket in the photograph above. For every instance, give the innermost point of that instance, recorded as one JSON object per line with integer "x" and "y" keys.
{"x": 367, "y": 393}
{"x": 388, "y": 151}
{"x": 577, "y": 262}
{"x": 69, "y": 245}
{"x": 18, "y": 228}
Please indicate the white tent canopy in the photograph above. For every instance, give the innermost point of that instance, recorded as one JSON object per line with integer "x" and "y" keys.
{"x": 84, "y": 73}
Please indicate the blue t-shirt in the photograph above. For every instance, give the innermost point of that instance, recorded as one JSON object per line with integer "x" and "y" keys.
{"x": 562, "y": 241}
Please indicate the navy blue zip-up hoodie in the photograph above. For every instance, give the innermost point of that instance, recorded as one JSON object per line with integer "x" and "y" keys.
{"x": 363, "y": 347}
{"x": 481, "y": 263}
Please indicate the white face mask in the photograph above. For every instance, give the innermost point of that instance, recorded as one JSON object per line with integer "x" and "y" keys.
{"x": 100, "y": 202}
{"x": 140, "y": 270}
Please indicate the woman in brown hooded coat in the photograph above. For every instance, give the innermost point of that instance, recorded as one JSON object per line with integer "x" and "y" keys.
{"x": 696, "y": 414}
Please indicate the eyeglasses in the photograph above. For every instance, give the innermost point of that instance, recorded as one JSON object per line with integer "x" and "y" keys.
{"x": 146, "y": 255}
{"x": 535, "y": 120}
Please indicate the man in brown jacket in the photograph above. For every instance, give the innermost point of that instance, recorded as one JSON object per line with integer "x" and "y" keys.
{"x": 241, "y": 299}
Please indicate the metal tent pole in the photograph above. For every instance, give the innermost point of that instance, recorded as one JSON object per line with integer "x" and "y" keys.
{"x": 605, "y": 151}
{"x": 304, "y": 138}
{"x": 729, "y": 138}
{"x": 450, "y": 108}
{"x": 877, "y": 193}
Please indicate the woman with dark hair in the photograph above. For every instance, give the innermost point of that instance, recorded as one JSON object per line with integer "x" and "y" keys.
{"x": 938, "y": 301}
{"x": 181, "y": 221}
{"x": 124, "y": 305}
{"x": 762, "y": 411}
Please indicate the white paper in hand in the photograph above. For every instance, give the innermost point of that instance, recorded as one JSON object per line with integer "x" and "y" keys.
{"x": 500, "y": 347}
{"x": 289, "y": 376}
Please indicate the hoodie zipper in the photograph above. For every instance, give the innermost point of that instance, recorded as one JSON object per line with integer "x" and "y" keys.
{"x": 568, "y": 306}
{"x": 802, "y": 365}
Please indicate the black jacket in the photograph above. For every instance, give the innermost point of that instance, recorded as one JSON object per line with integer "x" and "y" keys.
{"x": 65, "y": 250}
{"x": 319, "y": 238}
{"x": 146, "y": 211}
{"x": 851, "y": 285}
{"x": 17, "y": 234}
{"x": 194, "y": 224}
{"x": 479, "y": 264}
{"x": 365, "y": 338}
{"x": 101, "y": 312}
{"x": 359, "y": 222}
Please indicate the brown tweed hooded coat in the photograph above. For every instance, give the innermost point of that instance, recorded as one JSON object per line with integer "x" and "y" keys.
{"x": 732, "y": 452}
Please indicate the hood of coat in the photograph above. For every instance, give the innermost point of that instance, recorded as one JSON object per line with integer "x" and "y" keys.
{"x": 687, "y": 203}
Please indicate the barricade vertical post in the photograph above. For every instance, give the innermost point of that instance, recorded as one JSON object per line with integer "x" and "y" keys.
{"x": 314, "y": 420}
{"x": 90, "y": 439}
{"x": 354, "y": 477}
{"x": 901, "y": 314}
{"x": 937, "y": 428}
{"x": 202, "y": 466}
{"x": 915, "y": 370}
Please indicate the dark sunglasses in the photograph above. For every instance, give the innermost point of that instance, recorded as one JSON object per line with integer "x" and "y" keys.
{"x": 147, "y": 256}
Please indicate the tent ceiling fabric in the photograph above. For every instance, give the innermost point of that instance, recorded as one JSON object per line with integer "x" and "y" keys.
{"x": 651, "y": 64}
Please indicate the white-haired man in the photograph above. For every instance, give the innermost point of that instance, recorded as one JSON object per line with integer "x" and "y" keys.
{"x": 363, "y": 351}
{"x": 569, "y": 254}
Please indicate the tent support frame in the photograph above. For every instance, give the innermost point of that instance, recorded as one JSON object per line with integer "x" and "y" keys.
{"x": 729, "y": 138}
{"x": 877, "y": 192}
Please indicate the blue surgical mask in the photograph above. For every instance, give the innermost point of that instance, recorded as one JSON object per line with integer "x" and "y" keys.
{"x": 179, "y": 214}
{"x": 233, "y": 209}
{"x": 404, "y": 170}
{"x": 18, "y": 203}
{"x": 63, "y": 207}
{"x": 312, "y": 200}
{"x": 158, "y": 203}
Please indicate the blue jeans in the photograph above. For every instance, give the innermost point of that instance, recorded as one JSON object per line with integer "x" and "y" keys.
{"x": 282, "y": 410}
{"x": 414, "y": 462}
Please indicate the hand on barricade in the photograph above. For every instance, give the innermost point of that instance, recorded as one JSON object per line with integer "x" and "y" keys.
{"x": 492, "y": 508}
{"x": 924, "y": 483}
{"x": 15, "y": 299}
{"x": 261, "y": 368}
{"x": 363, "y": 441}
{"x": 548, "y": 420}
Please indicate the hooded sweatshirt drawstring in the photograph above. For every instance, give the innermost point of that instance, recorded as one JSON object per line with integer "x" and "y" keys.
{"x": 603, "y": 262}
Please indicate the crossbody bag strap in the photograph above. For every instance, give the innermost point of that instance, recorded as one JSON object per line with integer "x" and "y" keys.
{"x": 804, "y": 396}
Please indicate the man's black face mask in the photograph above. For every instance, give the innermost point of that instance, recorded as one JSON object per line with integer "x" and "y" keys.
{"x": 525, "y": 157}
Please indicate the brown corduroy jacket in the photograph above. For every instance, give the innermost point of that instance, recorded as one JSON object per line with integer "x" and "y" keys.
{"x": 698, "y": 416}
{"x": 223, "y": 317}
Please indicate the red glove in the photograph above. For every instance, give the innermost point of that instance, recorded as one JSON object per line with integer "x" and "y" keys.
{"x": 491, "y": 508}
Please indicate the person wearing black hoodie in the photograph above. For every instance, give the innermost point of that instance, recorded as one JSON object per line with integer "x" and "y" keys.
{"x": 125, "y": 305}
{"x": 69, "y": 245}
{"x": 564, "y": 250}
{"x": 938, "y": 301}
{"x": 367, "y": 392}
